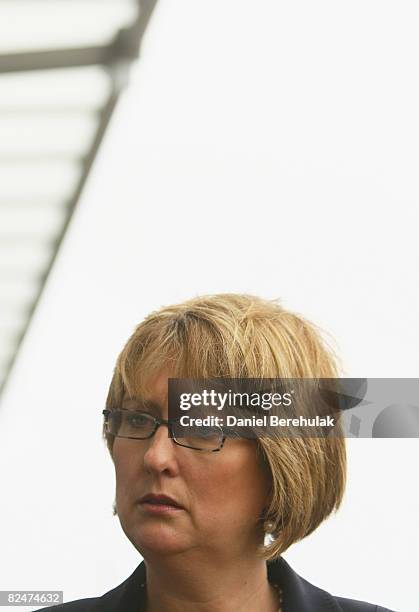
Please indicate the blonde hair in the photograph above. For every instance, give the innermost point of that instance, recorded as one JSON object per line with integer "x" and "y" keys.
{"x": 243, "y": 336}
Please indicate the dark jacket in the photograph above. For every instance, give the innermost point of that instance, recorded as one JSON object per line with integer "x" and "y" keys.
{"x": 298, "y": 595}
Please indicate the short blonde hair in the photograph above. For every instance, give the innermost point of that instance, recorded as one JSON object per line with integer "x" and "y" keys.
{"x": 243, "y": 336}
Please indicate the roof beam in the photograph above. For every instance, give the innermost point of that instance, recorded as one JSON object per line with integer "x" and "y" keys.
{"x": 125, "y": 46}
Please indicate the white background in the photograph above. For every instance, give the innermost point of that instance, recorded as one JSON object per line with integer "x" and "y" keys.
{"x": 268, "y": 148}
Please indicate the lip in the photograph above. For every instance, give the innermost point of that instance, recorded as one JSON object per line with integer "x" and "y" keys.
{"x": 154, "y": 503}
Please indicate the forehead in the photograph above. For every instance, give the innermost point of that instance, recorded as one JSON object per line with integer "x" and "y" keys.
{"x": 154, "y": 393}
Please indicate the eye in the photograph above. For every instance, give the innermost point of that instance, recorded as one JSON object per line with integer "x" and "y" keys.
{"x": 207, "y": 432}
{"x": 139, "y": 419}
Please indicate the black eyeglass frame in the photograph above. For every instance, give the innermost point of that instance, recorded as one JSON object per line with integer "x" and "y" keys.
{"x": 157, "y": 423}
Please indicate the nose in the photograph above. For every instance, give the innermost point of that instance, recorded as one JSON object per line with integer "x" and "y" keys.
{"x": 160, "y": 455}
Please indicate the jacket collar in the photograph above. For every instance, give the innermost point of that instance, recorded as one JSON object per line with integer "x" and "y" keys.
{"x": 298, "y": 594}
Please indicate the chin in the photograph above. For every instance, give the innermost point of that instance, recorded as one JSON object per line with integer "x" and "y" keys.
{"x": 157, "y": 538}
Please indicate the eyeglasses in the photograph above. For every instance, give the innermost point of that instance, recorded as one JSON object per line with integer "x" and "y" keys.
{"x": 142, "y": 426}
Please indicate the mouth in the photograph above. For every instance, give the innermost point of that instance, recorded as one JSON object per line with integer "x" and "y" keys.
{"x": 159, "y": 504}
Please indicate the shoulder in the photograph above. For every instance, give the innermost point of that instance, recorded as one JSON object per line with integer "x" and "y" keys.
{"x": 302, "y": 596}
{"x": 85, "y": 605}
{"x": 128, "y": 596}
{"x": 353, "y": 605}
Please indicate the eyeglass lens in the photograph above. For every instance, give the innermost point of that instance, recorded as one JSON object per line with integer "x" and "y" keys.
{"x": 141, "y": 425}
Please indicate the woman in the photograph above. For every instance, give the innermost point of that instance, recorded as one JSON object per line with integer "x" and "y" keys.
{"x": 211, "y": 526}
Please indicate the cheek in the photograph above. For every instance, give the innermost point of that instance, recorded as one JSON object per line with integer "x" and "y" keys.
{"x": 127, "y": 466}
{"x": 235, "y": 486}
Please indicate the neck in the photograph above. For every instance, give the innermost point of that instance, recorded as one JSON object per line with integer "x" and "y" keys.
{"x": 180, "y": 584}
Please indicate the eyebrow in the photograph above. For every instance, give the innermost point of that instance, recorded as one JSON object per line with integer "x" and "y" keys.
{"x": 142, "y": 402}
